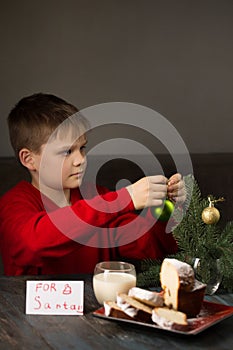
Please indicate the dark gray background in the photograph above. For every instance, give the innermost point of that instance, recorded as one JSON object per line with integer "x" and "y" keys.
{"x": 174, "y": 56}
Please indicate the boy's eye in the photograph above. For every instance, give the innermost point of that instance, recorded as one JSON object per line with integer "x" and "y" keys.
{"x": 68, "y": 152}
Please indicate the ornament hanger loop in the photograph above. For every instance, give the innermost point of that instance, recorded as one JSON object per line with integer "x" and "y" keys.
{"x": 212, "y": 201}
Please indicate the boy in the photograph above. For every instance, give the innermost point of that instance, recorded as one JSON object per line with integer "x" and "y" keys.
{"x": 58, "y": 225}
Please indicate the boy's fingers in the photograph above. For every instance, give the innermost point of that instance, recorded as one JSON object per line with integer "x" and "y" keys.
{"x": 174, "y": 179}
{"x": 158, "y": 179}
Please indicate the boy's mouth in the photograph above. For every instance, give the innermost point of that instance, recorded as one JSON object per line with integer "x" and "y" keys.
{"x": 78, "y": 174}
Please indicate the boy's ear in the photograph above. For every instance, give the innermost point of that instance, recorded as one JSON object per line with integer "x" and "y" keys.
{"x": 27, "y": 158}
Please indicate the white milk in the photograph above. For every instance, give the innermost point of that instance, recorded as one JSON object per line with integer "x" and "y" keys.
{"x": 106, "y": 285}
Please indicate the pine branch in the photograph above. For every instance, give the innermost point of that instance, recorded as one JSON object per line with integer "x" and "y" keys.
{"x": 196, "y": 239}
{"x": 225, "y": 243}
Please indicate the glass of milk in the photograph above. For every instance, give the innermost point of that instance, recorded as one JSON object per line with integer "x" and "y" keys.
{"x": 111, "y": 277}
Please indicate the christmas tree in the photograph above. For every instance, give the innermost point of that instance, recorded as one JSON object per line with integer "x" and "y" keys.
{"x": 197, "y": 240}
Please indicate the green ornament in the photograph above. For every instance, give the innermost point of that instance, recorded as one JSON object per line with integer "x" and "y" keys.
{"x": 164, "y": 212}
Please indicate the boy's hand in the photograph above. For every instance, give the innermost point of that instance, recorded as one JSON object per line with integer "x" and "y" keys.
{"x": 176, "y": 189}
{"x": 148, "y": 191}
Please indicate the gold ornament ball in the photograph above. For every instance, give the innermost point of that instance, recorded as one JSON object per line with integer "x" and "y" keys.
{"x": 210, "y": 215}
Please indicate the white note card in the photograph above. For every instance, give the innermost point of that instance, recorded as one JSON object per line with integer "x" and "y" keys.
{"x": 55, "y": 297}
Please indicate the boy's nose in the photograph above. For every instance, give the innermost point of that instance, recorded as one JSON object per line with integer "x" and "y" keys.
{"x": 79, "y": 159}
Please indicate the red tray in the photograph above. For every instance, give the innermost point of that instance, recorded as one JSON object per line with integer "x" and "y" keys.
{"x": 210, "y": 314}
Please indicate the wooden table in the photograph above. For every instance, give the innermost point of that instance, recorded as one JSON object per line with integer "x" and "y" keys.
{"x": 20, "y": 331}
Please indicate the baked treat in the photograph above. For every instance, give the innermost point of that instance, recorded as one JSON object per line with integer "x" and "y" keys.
{"x": 134, "y": 308}
{"x": 113, "y": 310}
{"x": 191, "y": 302}
{"x": 175, "y": 274}
{"x": 147, "y": 297}
{"x": 181, "y": 291}
{"x": 168, "y": 318}
{"x": 181, "y": 298}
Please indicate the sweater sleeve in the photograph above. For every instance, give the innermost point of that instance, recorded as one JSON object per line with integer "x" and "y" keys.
{"x": 140, "y": 237}
{"x": 29, "y": 233}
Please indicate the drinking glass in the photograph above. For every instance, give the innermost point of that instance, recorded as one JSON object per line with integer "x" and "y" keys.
{"x": 208, "y": 271}
{"x": 112, "y": 277}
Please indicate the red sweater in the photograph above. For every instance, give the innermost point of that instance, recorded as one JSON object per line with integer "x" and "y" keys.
{"x": 74, "y": 238}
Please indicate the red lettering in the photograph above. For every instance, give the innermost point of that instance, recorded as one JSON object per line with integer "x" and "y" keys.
{"x": 38, "y": 286}
{"x": 47, "y": 306}
{"x": 37, "y": 299}
{"x": 46, "y": 287}
{"x": 80, "y": 308}
{"x": 65, "y": 305}
{"x": 53, "y": 287}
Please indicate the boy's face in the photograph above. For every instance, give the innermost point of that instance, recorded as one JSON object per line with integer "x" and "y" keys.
{"x": 61, "y": 164}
